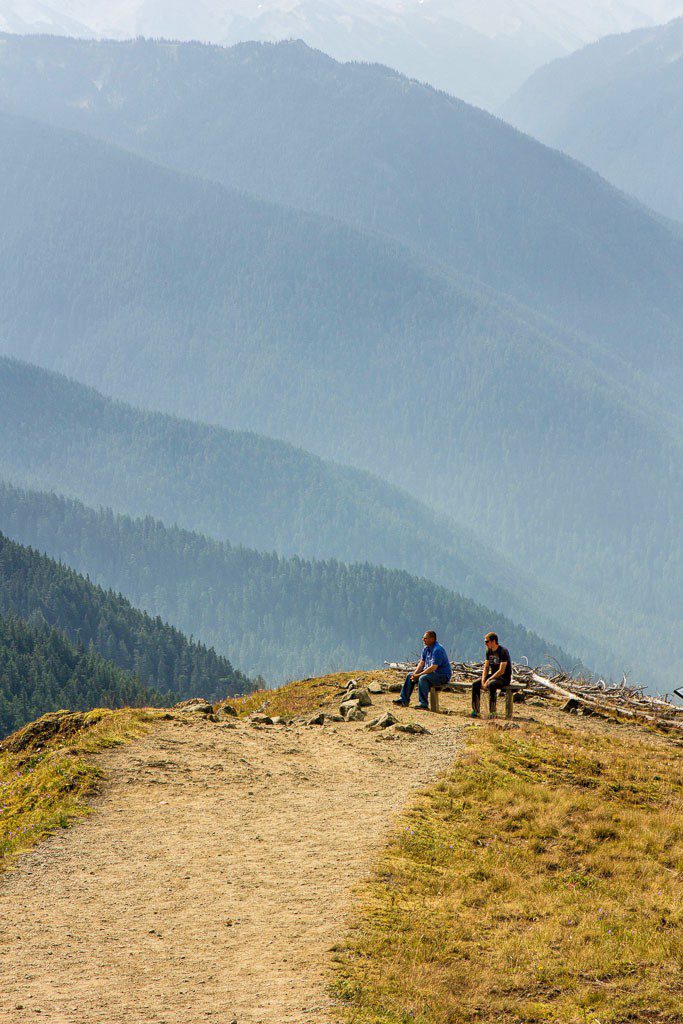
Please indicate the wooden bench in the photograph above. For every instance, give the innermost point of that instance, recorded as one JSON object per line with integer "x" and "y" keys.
{"x": 455, "y": 687}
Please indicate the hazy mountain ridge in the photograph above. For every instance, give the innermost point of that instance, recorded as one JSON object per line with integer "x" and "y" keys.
{"x": 226, "y": 288}
{"x": 237, "y": 487}
{"x": 278, "y": 617}
{"x": 616, "y": 105}
{"x": 479, "y": 53}
{"x": 368, "y": 147}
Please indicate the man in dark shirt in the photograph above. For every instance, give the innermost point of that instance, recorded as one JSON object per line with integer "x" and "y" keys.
{"x": 496, "y": 674}
{"x": 433, "y": 669}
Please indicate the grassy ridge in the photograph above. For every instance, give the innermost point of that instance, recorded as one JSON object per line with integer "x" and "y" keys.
{"x": 45, "y": 787}
{"x": 305, "y": 695}
{"x": 540, "y": 881}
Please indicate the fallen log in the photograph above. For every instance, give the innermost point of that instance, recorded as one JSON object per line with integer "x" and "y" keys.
{"x": 603, "y": 708}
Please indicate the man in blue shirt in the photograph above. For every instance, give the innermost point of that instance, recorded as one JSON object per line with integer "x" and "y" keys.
{"x": 434, "y": 668}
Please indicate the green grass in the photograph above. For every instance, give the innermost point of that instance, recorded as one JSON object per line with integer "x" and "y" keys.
{"x": 540, "y": 882}
{"x": 44, "y": 788}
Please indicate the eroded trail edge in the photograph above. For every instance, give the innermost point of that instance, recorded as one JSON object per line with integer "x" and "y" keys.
{"x": 214, "y": 876}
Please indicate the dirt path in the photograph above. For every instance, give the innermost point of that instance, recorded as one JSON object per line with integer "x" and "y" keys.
{"x": 214, "y": 878}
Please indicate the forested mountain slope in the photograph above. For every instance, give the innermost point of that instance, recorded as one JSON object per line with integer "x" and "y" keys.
{"x": 243, "y": 488}
{"x": 618, "y": 106}
{"x": 369, "y": 147}
{"x": 182, "y": 294}
{"x": 276, "y": 616}
{"x": 40, "y": 590}
{"x": 41, "y": 670}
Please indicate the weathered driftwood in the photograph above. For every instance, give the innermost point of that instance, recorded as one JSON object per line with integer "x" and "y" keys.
{"x": 612, "y": 708}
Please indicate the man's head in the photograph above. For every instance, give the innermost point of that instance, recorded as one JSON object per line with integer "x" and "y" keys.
{"x": 429, "y": 638}
{"x": 491, "y": 641}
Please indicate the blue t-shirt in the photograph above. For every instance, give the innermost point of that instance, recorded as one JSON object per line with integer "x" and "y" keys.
{"x": 436, "y": 655}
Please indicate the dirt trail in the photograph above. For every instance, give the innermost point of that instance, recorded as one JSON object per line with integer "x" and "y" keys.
{"x": 214, "y": 877}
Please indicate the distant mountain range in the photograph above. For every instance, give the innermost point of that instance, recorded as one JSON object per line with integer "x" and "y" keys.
{"x": 173, "y": 291}
{"x": 459, "y": 309}
{"x": 369, "y": 148}
{"x": 235, "y": 487}
{"x": 282, "y": 618}
{"x": 617, "y": 106}
{"x": 61, "y": 436}
{"x": 480, "y": 52}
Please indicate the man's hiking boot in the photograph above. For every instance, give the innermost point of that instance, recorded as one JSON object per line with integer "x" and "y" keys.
{"x": 423, "y": 707}
{"x": 474, "y": 714}
{"x": 401, "y": 703}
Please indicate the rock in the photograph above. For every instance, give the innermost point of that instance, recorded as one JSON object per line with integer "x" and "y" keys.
{"x": 225, "y": 714}
{"x": 279, "y": 720}
{"x": 334, "y": 718}
{"x": 318, "y": 719}
{"x": 361, "y": 695}
{"x": 352, "y": 684}
{"x": 261, "y": 720}
{"x": 375, "y": 688}
{"x": 348, "y": 705}
{"x": 383, "y": 722}
{"x": 195, "y": 706}
{"x": 355, "y": 715}
{"x": 394, "y": 687}
{"x": 413, "y": 729}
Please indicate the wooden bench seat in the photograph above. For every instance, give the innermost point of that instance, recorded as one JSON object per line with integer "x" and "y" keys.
{"x": 457, "y": 686}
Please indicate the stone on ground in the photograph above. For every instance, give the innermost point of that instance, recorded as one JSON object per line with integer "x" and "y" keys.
{"x": 194, "y": 706}
{"x": 383, "y": 722}
{"x": 355, "y": 715}
{"x": 361, "y": 695}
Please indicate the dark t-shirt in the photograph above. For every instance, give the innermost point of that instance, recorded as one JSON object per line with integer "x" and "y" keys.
{"x": 494, "y": 659}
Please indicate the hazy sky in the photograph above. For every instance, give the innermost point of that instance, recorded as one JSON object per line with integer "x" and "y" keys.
{"x": 569, "y": 23}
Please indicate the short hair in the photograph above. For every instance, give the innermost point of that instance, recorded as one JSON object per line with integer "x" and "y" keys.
{"x": 430, "y": 632}
{"x": 492, "y": 636}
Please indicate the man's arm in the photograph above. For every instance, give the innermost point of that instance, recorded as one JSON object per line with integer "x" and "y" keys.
{"x": 485, "y": 672}
{"x": 500, "y": 671}
{"x": 418, "y": 670}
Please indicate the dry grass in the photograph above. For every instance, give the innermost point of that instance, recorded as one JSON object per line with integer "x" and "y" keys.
{"x": 539, "y": 882}
{"x": 46, "y": 788}
{"x": 304, "y": 696}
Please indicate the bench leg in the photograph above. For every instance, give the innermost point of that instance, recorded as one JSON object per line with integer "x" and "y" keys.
{"x": 509, "y": 702}
{"x": 433, "y": 699}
